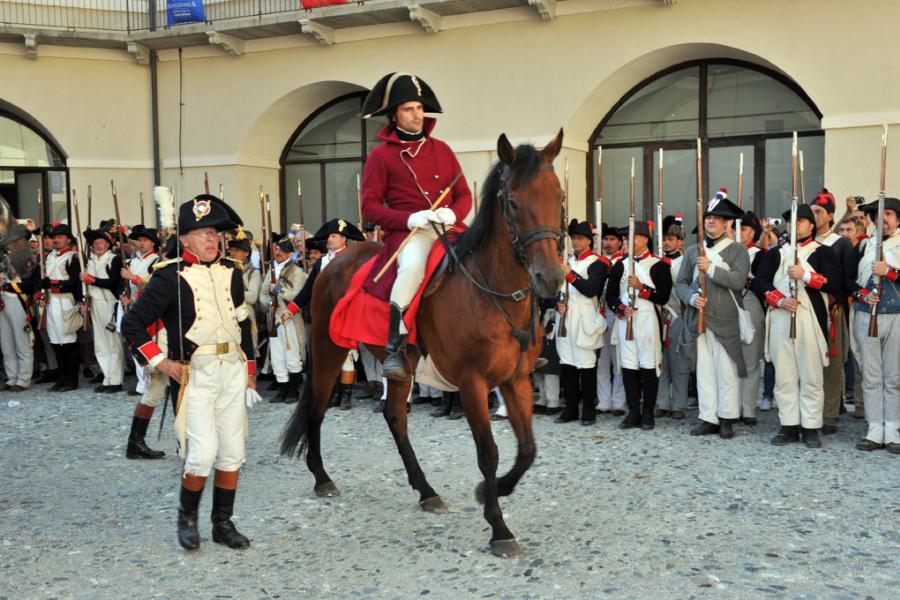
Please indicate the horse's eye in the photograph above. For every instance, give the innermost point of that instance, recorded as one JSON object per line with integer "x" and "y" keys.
{"x": 513, "y": 205}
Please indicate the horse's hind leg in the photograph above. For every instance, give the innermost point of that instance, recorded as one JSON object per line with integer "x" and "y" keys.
{"x": 325, "y": 370}
{"x": 518, "y": 398}
{"x": 474, "y": 402}
{"x": 396, "y": 417}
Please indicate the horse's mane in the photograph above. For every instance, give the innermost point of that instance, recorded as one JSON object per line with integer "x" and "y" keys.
{"x": 525, "y": 166}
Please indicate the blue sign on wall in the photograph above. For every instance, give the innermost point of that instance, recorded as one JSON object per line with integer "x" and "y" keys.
{"x": 184, "y": 11}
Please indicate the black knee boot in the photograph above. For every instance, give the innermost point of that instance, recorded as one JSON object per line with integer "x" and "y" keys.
{"x": 395, "y": 364}
{"x": 188, "y": 536}
{"x": 631, "y": 379}
{"x": 71, "y": 380}
{"x": 444, "y": 409}
{"x": 569, "y": 379}
{"x": 346, "y": 395}
{"x": 62, "y": 372}
{"x": 293, "y": 388}
{"x": 223, "y": 529}
{"x": 588, "y": 380}
{"x": 649, "y": 389}
{"x": 137, "y": 447}
{"x": 456, "y": 411}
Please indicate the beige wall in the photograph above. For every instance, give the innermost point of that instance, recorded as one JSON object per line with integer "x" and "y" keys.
{"x": 499, "y": 72}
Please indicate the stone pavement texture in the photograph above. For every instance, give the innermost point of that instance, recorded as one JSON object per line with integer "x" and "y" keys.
{"x": 602, "y": 513}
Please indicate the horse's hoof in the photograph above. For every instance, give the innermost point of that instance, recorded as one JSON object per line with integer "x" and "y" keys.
{"x": 433, "y": 504}
{"x": 507, "y": 548}
{"x": 327, "y": 490}
{"x": 479, "y": 493}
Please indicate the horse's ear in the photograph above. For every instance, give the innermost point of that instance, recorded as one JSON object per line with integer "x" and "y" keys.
{"x": 551, "y": 150}
{"x": 505, "y": 151}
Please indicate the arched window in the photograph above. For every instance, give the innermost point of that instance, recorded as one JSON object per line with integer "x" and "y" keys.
{"x": 28, "y": 163}
{"x": 325, "y": 155}
{"x": 734, "y": 108}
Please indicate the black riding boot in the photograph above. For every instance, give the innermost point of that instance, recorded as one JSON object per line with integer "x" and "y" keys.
{"x": 395, "y": 364}
{"x": 223, "y": 530}
{"x": 188, "y": 536}
{"x": 62, "y": 371}
{"x": 346, "y": 395}
{"x": 568, "y": 378}
{"x": 631, "y": 379}
{"x": 282, "y": 393}
{"x": 137, "y": 447}
{"x": 293, "y": 388}
{"x": 71, "y": 380}
{"x": 649, "y": 389}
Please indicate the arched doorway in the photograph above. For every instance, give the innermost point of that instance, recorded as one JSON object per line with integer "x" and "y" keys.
{"x": 735, "y": 108}
{"x": 325, "y": 154}
{"x": 31, "y": 161}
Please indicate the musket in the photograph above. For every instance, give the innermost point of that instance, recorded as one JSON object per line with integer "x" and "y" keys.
{"x": 265, "y": 236}
{"x": 792, "y": 283}
{"x": 802, "y": 179}
{"x": 302, "y": 226}
{"x": 271, "y": 320}
{"x": 563, "y": 331}
{"x": 737, "y": 222}
{"x": 660, "y": 206}
{"x": 126, "y": 290}
{"x": 598, "y": 203}
{"x": 879, "y": 235}
{"x": 206, "y": 182}
{"x": 221, "y": 192}
{"x": 701, "y": 238}
{"x": 141, "y": 197}
{"x": 90, "y": 197}
{"x": 222, "y": 245}
{"x": 42, "y": 320}
{"x": 632, "y": 293}
{"x": 82, "y": 259}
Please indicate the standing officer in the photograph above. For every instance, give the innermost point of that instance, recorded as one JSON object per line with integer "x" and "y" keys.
{"x": 641, "y": 357}
{"x": 718, "y": 354}
{"x": 586, "y": 275}
{"x": 404, "y": 175}
{"x": 200, "y": 299}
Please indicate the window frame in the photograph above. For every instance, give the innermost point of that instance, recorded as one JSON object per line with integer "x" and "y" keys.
{"x": 758, "y": 141}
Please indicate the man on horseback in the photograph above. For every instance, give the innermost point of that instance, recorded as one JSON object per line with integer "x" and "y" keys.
{"x": 403, "y": 177}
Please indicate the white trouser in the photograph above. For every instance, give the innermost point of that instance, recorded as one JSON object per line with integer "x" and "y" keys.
{"x": 718, "y": 386}
{"x": 642, "y": 352}
{"x": 548, "y": 390}
{"x": 427, "y": 391}
{"x": 798, "y": 368}
{"x": 284, "y": 360}
{"x": 216, "y": 414}
{"x": 56, "y": 327}
{"x": 107, "y": 344}
{"x": 155, "y": 389}
{"x": 411, "y": 267}
{"x": 610, "y": 389}
{"x": 15, "y": 342}
{"x": 750, "y": 389}
{"x": 880, "y": 363}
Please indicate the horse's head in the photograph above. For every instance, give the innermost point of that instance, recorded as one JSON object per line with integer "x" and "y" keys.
{"x": 532, "y": 207}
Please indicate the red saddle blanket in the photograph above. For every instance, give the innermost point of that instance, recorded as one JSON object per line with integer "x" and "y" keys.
{"x": 361, "y": 318}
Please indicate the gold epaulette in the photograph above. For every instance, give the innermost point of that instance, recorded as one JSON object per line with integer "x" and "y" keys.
{"x": 166, "y": 263}
{"x": 238, "y": 264}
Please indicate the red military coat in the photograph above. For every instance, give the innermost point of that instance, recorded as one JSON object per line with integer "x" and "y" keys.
{"x": 401, "y": 178}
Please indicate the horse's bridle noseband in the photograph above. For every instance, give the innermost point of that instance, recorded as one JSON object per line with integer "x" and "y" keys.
{"x": 521, "y": 242}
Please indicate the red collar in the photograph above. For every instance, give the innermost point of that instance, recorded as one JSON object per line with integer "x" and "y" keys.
{"x": 751, "y": 245}
{"x": 862, "y": 237}
{"x": 389, "y": 134}
{"x": 807, "y": 242}
{"x": 149, "y": 254}
{"x": 644, "y": 255}
{"x": 618, "y": 254}
{"x": 192, "y": 259}
{"x": 65, "y": 250}
{"x": 585, "y": 254}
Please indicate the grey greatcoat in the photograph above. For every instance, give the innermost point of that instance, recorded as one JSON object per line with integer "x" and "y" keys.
{"x": 721, "y": 313}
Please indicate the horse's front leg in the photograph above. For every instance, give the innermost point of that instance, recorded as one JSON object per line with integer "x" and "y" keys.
{"x": 396, "y": 416}
{"x": 518, "y": 398}
{"x": 473, "y": 395}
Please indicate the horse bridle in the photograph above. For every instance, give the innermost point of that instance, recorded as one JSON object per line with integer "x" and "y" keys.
{"x": 524, "y": 335}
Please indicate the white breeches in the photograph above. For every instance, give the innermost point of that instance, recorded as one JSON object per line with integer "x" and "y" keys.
{"x": 718, "y": 385}
{"x": 411, "y": 267}
{"x": 107, "y": 344}
{"x": 284, "y": 352}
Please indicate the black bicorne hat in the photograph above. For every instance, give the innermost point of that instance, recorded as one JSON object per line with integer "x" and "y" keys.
{"x": 283, "y": 241}
{"x": 871, "y": 208}
{"x": 394, "y": 89}
{"x": 673, "y": 225}
{"x": 644, "y": 228}
{"x": 345, "y": 228}
{"x": 139, "y": 231}
{"x": 721, "y": 206}
{"x": 583, "y": 228}
{"x": 207, "y": 210}
{"x": 609, "y": 230}
{"x": 61, "y": 229}
{"x": 242, "y": 244}
{"x": 751, "y": 220}
{"x": 803, "y": 212}
{"x": 315, "y": 245}
{"x": 96, "y": 234}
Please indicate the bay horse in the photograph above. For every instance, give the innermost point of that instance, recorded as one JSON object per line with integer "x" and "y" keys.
{"x": 507, "y": 260}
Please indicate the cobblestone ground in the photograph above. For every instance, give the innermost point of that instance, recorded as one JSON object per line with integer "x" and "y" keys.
{"x": 602, "y": 513}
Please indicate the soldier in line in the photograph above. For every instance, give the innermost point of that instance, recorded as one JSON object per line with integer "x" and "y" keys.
{"x": 200, "y": 299}
{"x": 610, "y": 391}
{"x": 240, "y": 250}
{"x": 637, "y": 296}
{"x": 103, "y": 278}
{"x": 62, "y": 285}
{"x": 674, "y": 378}
{"x": 799, "y": 360}
{"x": 16, "y": 327}
{"x": 716, "y": 352}
{"x": 751, "y": 232}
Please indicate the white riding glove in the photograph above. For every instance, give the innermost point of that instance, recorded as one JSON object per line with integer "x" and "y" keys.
{"x": 447, "y": 216}
{"x": 251, "y": 397}
{"x": 422, "y": 219}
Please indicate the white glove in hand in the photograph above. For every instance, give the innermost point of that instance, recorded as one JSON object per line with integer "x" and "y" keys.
{"x": 447, "y": 216}
{"x": 422, "y": 219}
{"x": 251, "y": 397}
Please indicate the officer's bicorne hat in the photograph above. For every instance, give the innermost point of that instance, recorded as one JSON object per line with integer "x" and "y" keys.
{"x": 583, "y": 228}
{"x": 889, "y": 204}
{"x": 283, "y": 241}
{"x": 96, "y": 234}
{"x": 803, "y": 212}
{"x": 751, "y": 220}
{"x": 207, "y": 210}
{"x": 720, "y": 206}
{"x": 346, "y": 229}
{"x": 394, "y": 89}
{"x": 61, "y": 229}
{"x": 139, "y": 231}
{"x": 673, "y": 225}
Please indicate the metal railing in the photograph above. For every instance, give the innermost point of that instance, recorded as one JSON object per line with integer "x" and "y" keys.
{"x": 126, "y": 15}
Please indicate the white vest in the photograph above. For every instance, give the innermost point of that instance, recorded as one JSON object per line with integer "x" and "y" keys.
{"x": 141, "y": 266}
{"x": 215, "y": 321}
{"x": 97, "y": 266}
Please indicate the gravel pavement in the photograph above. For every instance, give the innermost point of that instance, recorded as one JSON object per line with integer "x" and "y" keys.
{"x": 602, "y": 513}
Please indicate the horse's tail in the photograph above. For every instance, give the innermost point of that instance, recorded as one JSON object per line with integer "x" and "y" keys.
{"x": 293, "y": 438}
